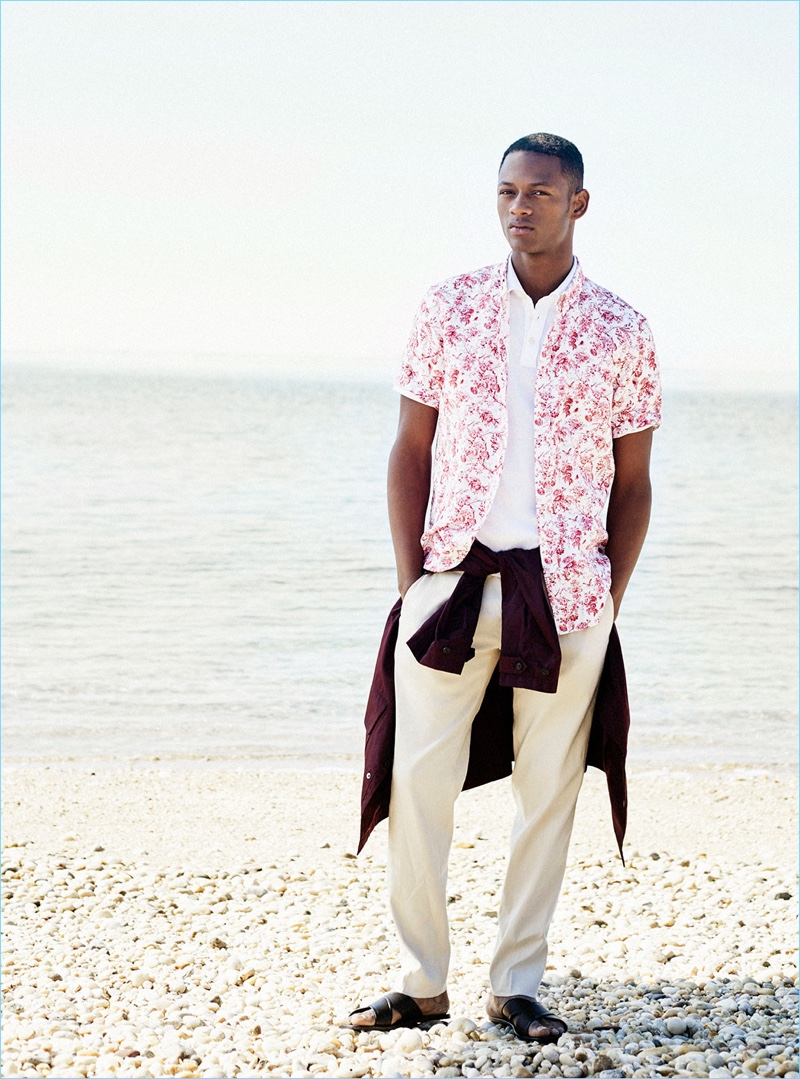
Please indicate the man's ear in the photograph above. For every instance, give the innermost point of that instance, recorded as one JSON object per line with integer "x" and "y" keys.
{"x": 580, "y": 204}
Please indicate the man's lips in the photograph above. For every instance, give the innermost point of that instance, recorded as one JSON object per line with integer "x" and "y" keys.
{"x": 518, "y": 227}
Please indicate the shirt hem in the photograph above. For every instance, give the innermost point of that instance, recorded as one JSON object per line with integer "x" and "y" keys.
{"x": 406, "y": 392}
{"x": 634, "y": 428}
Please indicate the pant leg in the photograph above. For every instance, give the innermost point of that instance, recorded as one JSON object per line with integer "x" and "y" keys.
{"x": 551, "y": 733}
{"x": 435, "y": 711}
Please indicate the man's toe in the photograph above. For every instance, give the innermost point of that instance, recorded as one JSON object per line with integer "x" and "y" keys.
{"x": 550, "y": 1030}
{"x": 362, "y": 1017}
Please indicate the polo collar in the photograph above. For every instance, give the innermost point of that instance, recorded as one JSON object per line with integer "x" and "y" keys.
{"x": 563, "y": 295}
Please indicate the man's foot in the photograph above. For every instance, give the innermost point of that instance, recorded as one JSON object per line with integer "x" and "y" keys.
{"x": 402, "y": 1013}
{"x": 529, "y": 1019}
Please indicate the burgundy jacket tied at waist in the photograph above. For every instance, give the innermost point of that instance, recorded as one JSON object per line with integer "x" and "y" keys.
{"x": 530, "y": 659}
{"x": 530, "y": 655}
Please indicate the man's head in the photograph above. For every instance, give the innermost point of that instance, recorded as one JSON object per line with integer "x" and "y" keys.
{"x": 540, "y": 195}
{"x": 553, "y": 146}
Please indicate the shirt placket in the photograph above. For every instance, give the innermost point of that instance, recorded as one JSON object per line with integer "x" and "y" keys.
{"x": 535, "y": 319}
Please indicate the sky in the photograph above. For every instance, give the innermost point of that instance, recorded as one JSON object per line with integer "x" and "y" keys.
{"x": 238, "y": 185}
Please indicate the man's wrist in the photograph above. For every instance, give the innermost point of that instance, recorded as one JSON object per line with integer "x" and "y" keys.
{"x": 616, "y": 600}
{"x": 405, "y": 581}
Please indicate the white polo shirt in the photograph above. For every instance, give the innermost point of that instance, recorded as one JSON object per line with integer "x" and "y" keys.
{"x": 511, "y": 520}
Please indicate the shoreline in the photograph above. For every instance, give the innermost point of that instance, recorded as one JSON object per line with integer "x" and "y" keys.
{"x": 214, "y": 922}
{"x": 164, "y": 801}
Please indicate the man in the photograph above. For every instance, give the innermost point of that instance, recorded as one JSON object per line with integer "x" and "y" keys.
{"x": 541, "y": 391}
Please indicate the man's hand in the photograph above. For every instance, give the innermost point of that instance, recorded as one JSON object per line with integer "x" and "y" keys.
{"x": 628, "y": 508}
{"x": 409, "y": 487}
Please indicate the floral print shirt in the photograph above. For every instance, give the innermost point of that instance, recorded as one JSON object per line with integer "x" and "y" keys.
{"x": 597, "y": 380}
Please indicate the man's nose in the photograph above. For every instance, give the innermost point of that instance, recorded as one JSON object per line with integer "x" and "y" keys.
{"x": 519, "y": 206}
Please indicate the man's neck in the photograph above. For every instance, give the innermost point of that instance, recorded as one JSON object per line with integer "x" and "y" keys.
{"x": 539, "y": 275}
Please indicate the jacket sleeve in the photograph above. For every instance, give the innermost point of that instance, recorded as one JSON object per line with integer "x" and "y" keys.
{"x": 637, "y": 384}
{"x": 422, "y": 369}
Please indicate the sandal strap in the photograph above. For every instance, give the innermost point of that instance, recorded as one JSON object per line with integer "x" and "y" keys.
{"x": 384, "y": 1006}
{"x": 523, "y": 1013}
{"x": 407, "y": 1007}
{"x": 383, "y": 1011}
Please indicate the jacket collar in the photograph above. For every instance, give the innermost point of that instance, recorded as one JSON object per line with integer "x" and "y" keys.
{"x": 498, "y": 283}
{"x": 570, "y": 295}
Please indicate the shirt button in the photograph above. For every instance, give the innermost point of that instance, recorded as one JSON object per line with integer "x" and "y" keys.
{"x": 446, "y": 650}
{"x": 369, "y": 775}
{"x": 519, "y": 665}
{"x": 544, "y": 672}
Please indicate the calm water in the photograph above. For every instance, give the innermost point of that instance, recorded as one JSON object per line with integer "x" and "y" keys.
{"x": 201, "y": 567}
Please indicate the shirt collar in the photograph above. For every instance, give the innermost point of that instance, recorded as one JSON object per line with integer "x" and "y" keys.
{"x": 513, "y": 283}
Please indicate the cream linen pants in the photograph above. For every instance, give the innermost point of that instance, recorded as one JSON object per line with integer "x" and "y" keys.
{"x": 435, "y": 710}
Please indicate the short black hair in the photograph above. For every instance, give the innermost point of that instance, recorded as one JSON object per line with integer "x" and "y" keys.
{"x": 567, "y": 152}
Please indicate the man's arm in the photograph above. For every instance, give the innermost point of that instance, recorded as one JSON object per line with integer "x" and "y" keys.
{"x": 409, "y": 487}
{"x": 628, "y": 508}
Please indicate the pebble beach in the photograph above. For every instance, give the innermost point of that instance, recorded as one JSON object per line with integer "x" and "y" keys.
{"x": 162, "y": 920}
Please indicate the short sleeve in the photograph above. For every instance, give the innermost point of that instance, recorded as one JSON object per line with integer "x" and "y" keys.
{"x": 637, "y": 384}
{"x": 421, "y": 373}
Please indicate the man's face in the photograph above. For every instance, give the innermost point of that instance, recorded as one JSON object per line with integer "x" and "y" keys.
{"x": 536, "y": 203}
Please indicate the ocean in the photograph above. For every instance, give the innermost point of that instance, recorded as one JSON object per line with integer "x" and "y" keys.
{"x": 198, "y": 568}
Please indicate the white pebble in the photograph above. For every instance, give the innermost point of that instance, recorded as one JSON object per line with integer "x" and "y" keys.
{"x": 409, "y": 1041}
